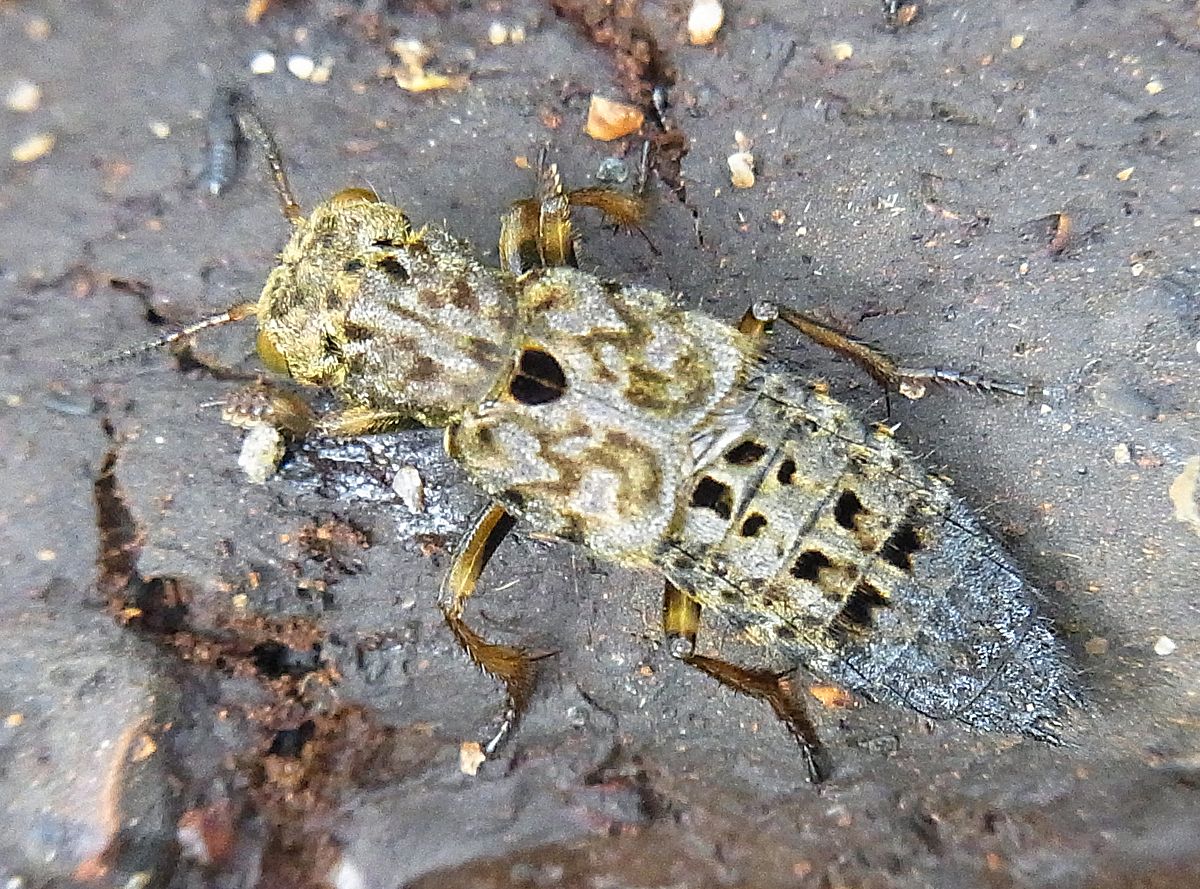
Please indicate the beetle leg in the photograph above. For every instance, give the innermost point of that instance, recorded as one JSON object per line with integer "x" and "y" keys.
{"x": 681, "y": 624}
{"x": 883, "y": 368}
{"x": 538, "y": 232}
{"x": 511, "y": 665}
{"x": 262, "y": 404}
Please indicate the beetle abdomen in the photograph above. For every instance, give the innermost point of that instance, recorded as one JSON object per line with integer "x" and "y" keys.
{"x": 826, "y": 541}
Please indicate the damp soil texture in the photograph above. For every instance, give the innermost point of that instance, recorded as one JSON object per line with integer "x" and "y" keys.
{"x": 213, "y": 683}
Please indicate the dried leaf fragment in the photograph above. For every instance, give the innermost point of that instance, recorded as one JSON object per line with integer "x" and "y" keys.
{"x": 907, "y": 14}
{"x": 609, "y": 119}
{"x": 255, "y": 10}
{"x": 414, "y": 78}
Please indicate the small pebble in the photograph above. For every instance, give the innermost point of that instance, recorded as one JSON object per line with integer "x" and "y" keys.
{"x": 470, "y": 758}
{"x": 1122, "y": 455}
{"x": 1164, "y": 645}
{"x": 741, "y": 169}
{"x": 263, "y": 63}
{"x": 37, "y": 29}
{"x": 704, "y": 21}
{"x": 160, "y": 129}
{"x": 346, "y": 875}
{"x": 322, "y": 72}
{"x": 410, "y": 488}
{"x": 842, "y": 52}
{"x": 608, "y": 119}
{"x": 612, "y": 170}
{"x": 497, "y": 34}
{"x": 23, "y": 96}
{"x": 36, "y": 146}
{"x": 301, "y": 67}
{"x": 1016, "y": 41}
{"x": 1123, "y": 175}
{"x": 262, "y": 450}
{"x": 1154, "y": 87}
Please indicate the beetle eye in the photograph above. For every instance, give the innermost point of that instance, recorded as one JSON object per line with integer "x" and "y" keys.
{"x": 354, "y": 196}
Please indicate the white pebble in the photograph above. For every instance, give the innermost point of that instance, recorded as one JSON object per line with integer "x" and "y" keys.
{"x": 741, "y": 169}
{"x": 1164, "y": 645}
{"x": 704, "y": 21}
{"x": 347, "y": 876}
{"x": 497, "y": 34}
{"x": 36, "y": 146}
{"x": 842, "y": 52}
{"x": 160, "y": 129}
{"x": 23, "y": 96}
{"x": 262, "y": 451}
{"x": 263, "y": 63}
{"x": 409, "y": 488}
{"x": 301, "y": 67}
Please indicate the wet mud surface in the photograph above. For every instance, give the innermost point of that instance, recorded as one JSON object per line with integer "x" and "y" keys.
{"x": 1010, "y": 188}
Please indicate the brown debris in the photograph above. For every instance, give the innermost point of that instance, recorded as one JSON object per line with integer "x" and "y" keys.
{"x": 642, "y": 68}
{"x": 1062, "y": 234}
{"x": 833, "y": 697}
{"x": 618, "y": 27}
{"x": 255, "y": 10}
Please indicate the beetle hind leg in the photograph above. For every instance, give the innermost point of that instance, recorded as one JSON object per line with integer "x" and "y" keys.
{"x": 681, "y": 625}
{"x": 888, "y": 372}
{"x": 514, "y": 667}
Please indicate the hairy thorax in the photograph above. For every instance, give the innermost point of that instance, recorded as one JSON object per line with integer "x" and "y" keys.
{"x": 603, "y": 417}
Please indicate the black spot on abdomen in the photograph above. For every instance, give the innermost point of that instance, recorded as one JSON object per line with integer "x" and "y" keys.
{"x": 899, "y": 549}
{"x": 809, "y": 564}
{"x": 754, "y": 523}
{"x": 858, "y": 614}
{"x": 847, "y": 509}
{"x": 745, "y": 454}
{"x": 712, "y": 494}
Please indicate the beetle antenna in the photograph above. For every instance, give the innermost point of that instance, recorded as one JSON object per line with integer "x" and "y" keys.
{"x": 230, "y": 315}
{"x": 256, "y": 131}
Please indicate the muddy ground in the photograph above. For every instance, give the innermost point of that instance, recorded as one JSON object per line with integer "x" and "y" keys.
{"x": 213, "y": 683}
